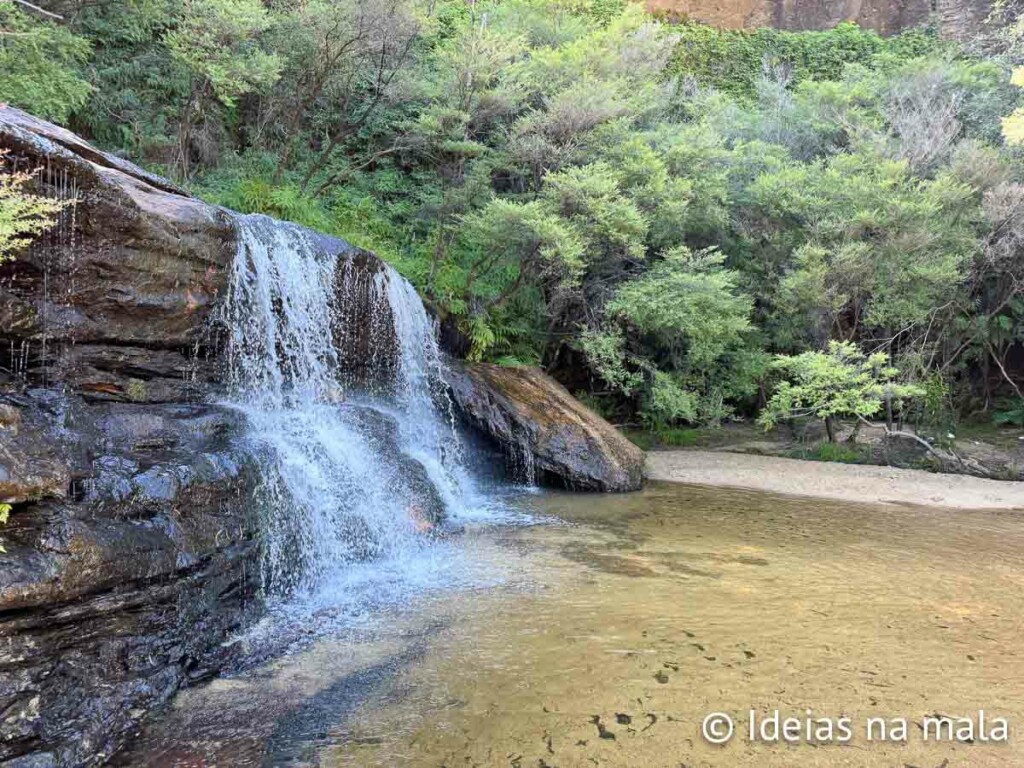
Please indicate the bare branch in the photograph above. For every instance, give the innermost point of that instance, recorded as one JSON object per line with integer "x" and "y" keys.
{"x": 37, "y": 9}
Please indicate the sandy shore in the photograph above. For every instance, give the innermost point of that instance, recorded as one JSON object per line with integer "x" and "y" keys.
{"x": 846, "y": 482}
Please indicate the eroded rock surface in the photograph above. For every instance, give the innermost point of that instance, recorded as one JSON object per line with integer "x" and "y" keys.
{"x": 131, "y": 540}
{"x": 115, "y": 299}
{"x": 545, "y": 429}
{"x": 124, "y": 568}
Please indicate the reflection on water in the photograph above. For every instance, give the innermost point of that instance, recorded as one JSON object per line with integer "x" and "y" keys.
{"x": 605, "y": 641}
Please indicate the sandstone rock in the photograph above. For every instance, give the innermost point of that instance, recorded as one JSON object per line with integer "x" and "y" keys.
{"x": 132, "y": 544}
{"x": 133, "y": 267}
{"x": 957, "y": 19}
{"x": 403, "y": 471}
{"x": 364, "y": 332}
{"x": 120, "y": 587}
{"x": 542, "y": 426}
{"x": 30, "y": 468}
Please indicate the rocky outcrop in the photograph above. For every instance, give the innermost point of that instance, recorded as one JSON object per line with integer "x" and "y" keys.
{"x": 131, "y": 543}
{"x": 546, "y": 432}
{"x": 124, "y": 568}
{"x": 121, "y": 290}
{"x": 957, "y": 19}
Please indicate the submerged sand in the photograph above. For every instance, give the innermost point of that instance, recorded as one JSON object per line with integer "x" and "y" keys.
{"x": 604, "y": 635}
{"x": 831, "y": 480}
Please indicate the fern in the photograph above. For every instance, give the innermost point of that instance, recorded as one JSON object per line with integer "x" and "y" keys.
{"x": 1009, "y": 411}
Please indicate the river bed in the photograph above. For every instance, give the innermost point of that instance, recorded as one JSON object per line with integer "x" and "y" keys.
{"x": 605, "y": 631}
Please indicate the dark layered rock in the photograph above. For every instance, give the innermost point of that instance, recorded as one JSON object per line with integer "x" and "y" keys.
{"x": 364, "y": 331}
{"x": 550, "y": 435}
{"x": 131, "y": 542}
{"x": 30, "y": 469}
{"x": 124, "y": 569}
{"x": 114, "y": 300}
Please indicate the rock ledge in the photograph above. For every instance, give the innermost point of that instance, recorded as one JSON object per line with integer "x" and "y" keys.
{"x": 540, "y": 425}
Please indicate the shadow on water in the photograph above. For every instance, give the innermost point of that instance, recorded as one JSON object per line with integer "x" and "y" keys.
{"x": 298, "y": 736}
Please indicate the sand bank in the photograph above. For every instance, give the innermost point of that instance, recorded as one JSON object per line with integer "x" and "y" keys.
{"x": 831, "y": 480}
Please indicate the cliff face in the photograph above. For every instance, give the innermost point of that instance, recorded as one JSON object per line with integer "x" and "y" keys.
{"x": 957, "y": 19}
{"x": 133, "y": 538}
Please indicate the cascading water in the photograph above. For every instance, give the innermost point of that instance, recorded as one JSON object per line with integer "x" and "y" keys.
{"x": 353, "y": 469}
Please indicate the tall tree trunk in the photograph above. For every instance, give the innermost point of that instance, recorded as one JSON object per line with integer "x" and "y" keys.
{"x": 830, "y": 429}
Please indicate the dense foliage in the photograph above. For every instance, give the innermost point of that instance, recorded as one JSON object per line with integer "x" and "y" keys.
{"x": 842, "y": 381}
{"x": 654, "y": 211}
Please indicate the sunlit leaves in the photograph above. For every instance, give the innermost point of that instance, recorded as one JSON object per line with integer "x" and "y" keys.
{"x": 23, "y": 215}
{"x": 218, "y": 41}
{"x": 41, "y": 64}
{"x": 840, "y": 382}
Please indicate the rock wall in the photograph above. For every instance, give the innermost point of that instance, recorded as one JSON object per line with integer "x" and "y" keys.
{"x": 129, "y": 557}
{"x": 130, "y": 545}
{"x": 957, "y": 19}
{"x": 131, "y": 550}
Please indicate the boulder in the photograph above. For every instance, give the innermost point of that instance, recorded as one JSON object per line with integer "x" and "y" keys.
{"x": 549, "y": 435}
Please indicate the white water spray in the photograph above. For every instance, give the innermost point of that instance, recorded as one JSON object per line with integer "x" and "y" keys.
{"x": 350, "y": 473}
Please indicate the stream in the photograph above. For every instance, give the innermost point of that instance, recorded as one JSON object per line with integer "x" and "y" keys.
{"x": 590, "y": 630}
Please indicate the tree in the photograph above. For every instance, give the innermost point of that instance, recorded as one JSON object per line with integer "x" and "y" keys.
{"x": 216, "y": 40}
{"x": 655, "y": 209}
{"x": 1013, "y": 124}
{"x": 23, "y": 215}
{"x": 342, "y": 61}
{"x": 840, "y": 382}
{"x": 41, "y": 64}
{"x": 677, "y": 335}
{"x": 887, "y": 248}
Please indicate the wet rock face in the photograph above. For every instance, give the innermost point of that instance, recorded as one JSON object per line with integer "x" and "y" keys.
{"x": 545, "y": 430}
{"x": 124, "y": 569}
{"x": 364, "y": 332}
{"x": 129, "y": 275}
{"x": 403, "y": 471}
{"x": 131, "y": 541}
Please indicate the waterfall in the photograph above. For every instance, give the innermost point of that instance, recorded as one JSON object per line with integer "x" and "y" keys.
{"x": 356, "y": 443}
